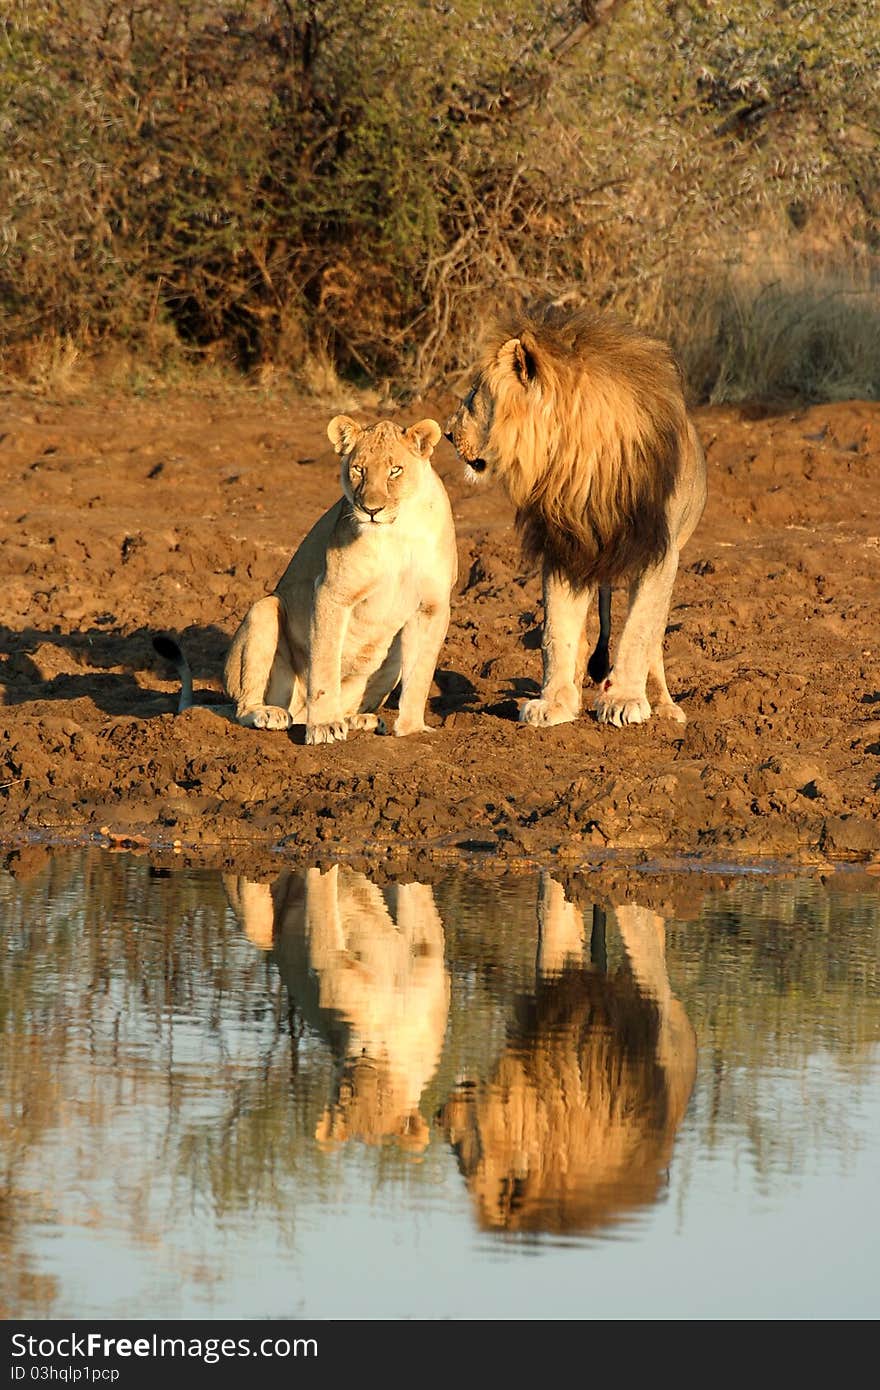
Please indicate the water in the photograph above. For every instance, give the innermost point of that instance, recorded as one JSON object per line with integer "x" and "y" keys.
{"x": 506, "y": 1097}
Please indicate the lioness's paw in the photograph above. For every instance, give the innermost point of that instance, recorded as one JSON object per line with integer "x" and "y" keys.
{"x": 373, "y": 723}
{"x": 265, "y": 717}
{"x": 617, "y": 709}
{"x": 542, "y": 713}
{"x": 326, "y": 733}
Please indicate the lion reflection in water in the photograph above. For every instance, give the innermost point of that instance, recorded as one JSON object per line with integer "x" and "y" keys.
{"x": 574, "y": 1129}
{"x": 366, "y": 969}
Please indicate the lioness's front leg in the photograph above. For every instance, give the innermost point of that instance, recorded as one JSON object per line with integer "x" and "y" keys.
{"x": 421, "y": 640}
{"x": 564, "y": 652}
{"x": 325, "y": 718}
{"x": 623, "y": 698}
{"x": 326, "y": 722}
{"x": 253, "y": 906}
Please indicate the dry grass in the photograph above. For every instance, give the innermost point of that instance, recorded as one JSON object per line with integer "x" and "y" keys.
{"x": 251, "y": 187}
{"x": 779, "y": 333}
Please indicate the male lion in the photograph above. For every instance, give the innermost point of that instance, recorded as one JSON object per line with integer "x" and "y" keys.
{"x": 574, "y": 1127}
{"x": 363, "y": 604}
{"x": 583, "y": 420}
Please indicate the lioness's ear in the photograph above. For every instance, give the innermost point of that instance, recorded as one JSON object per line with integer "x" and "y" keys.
{"x": 343, "y": 432}
{"x": 424, "y": 436}
{"x": 413, "y": 1133}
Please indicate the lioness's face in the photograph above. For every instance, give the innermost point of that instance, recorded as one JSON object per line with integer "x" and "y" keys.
{"x": 382, "y": 465}
{"x": 470, "y": 427}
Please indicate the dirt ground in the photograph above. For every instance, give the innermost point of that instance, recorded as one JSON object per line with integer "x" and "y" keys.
{"x": 123, "y": 516}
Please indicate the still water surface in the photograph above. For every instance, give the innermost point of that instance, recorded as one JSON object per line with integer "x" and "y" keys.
{"x": 333, "y": 1095}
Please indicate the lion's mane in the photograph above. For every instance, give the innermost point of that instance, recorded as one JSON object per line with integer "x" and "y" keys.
{"x": 576, "y": 1124}
{"x": 588, "y": 432}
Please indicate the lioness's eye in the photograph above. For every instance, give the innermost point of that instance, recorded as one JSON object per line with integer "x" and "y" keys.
{"x": 393, "y": 472}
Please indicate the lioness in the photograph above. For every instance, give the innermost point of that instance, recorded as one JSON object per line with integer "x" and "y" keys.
{"x": 363, "y": 604}
{"x": 583, "y": 420}
{"x": 365, "y": 968}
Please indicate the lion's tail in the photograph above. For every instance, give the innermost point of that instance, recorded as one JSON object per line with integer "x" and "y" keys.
{"x": 171, "y": 650}
{"x": 598, "y": 665}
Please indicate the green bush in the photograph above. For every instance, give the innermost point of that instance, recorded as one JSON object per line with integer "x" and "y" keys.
{"x": 262, "y": 181}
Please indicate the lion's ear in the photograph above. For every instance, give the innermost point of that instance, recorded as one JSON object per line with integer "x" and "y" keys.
{"x": 424, "y": 436}
{"x": 522, "y": 357}
{"x": 343, "y": 433}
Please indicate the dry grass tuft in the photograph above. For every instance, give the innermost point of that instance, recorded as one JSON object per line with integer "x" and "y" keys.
{"x": 780, "y": 333}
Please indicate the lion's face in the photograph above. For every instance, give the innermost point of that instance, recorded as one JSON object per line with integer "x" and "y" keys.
{"x": 469, "y": 429}
{"x": 382, "y": 465}
{"x": 505, "y": 392}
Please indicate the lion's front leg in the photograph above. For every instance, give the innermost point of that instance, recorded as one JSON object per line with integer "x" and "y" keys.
{"x": 560, "y": 929}
{"x": 563, "y": 648}
{"x": 623, "y": 698}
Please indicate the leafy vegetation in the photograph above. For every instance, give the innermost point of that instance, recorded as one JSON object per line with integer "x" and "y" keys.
{"x": 276, "y": 184}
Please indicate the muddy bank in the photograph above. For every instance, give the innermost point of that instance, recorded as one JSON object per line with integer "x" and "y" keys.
{"x": 124, "y": 516}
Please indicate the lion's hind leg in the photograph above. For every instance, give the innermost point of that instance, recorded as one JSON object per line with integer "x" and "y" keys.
{"x": 259, "y": 673}
{"x": 623, "y": 698}
{"x": 666, "y": 707}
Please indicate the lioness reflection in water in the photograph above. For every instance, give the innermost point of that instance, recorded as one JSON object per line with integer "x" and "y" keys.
{"x": 366, "y": 969}
{"x": 574, "y": 1128}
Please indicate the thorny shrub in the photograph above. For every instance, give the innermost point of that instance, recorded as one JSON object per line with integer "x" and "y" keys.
{"x": 261, "y": 181}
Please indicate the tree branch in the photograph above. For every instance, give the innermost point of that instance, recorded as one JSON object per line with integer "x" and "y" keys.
{"x": 482, "y": 106}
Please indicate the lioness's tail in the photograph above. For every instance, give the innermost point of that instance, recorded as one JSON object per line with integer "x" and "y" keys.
{"x": 598, "y": 665}
{"x": 171, "y": 651}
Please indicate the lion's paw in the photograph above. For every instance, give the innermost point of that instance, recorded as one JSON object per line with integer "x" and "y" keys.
{"x": 334, "y": 732}
{"x": 614, "y": 708}
{"x": 402, "y": 729}
{"x": 670, "y": 710}
{"x": 543, "y": 713}
{"x": 265, "y": 717}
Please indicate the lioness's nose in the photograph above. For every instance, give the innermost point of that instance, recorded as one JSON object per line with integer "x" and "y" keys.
{"x": 374, "y": 511}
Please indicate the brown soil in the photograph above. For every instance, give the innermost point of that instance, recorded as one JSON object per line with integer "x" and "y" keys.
{"x": 126, "y": 516}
